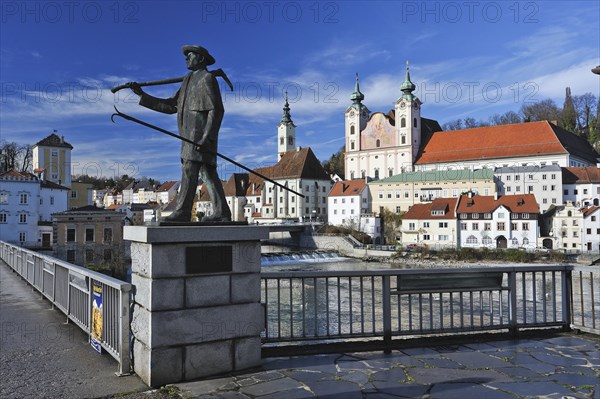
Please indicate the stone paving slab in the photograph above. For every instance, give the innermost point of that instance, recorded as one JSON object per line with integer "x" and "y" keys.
{"x": 549, "y": 368}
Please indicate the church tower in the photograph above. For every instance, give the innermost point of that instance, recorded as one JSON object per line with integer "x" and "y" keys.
{"x": 408, "y": 123}
{"x": 357, "y": 116}
{"x": 286, "y": 131}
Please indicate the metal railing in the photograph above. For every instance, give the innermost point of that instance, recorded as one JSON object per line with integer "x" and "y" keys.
{"x": 332, "y": 305}
{"x": 69, "y": 288}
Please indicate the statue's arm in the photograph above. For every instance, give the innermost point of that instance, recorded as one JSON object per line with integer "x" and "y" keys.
{"x": 215, "y": 111}
{"x": 164, "y": 105}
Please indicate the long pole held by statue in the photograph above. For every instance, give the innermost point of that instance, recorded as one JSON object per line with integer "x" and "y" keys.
{"x": 138, "y": 121}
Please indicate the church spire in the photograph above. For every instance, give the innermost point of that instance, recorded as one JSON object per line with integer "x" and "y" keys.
{"x": 286, "y": 119}
{"x": 357, "y": 96}
{"x": 407, "y": 86}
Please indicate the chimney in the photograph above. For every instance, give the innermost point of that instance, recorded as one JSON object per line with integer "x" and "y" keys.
{"x": 470, "y": 194}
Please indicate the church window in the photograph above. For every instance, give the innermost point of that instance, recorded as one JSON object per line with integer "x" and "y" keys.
{"x": 362, "y": 173}
{"x": 352, "y": 145}
{"x": 352, "y": 129}
{"x": 351, "y": 175}
{"x": 403, "y": 122}
{"x": 403, "y": 139}
{"x": 290, "y": 140}
{"x": 390, "y": 172}
{"x": 281, "y": 140}
{"x": 377, "y": 170}
{"x": 415, "y": 122}
{"x": 378, "y": 143}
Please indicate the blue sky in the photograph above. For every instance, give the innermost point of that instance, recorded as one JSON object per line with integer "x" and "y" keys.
{"x": 59, "y": 59}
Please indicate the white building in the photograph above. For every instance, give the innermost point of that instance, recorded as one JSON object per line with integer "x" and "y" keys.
{"x": 349, "y": 204}
{"x": 26, "y": 205}
{"x": 509, "y": 221}
{"x": 576, "y": 229}
{"x": 591, "y": 229}
{"x": 545, "y": 182}
{"x": 433, "y": 224}
{"x": 347, "y": 201}
{"x": 167, "y": 192}
{"x": 98, "y": 197}
{"x": 581, "y": 185}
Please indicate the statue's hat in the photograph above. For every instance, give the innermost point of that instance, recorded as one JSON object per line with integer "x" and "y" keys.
{"x": 199, "y": 50}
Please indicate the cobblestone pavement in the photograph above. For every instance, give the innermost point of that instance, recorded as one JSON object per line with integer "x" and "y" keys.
{"x": 562, "y": 367}
{"x": 42, "y": 357}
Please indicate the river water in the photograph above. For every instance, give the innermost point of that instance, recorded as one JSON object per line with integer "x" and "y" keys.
{"x": 319, "y": 306}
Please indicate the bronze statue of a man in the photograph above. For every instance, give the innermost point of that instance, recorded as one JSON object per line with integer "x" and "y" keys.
{"x": 199, "y": 109}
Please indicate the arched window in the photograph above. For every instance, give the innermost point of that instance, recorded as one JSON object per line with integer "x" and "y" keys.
{"x": 515, "y": 241}
{"x": 377, "y": 143}
{"x": 403, "y": 122}
{"x": 471, "y": 240}
{"x": 486, "y": 240}
{"x": 415, "y": 122}
{"x": 281, "y": 140}
{"x": 569, "y": 213}
{"x": 525, "y": 241}
{"x": 377, "y": 173}
{"x": 290, "y": 140}
{"x": 362, "y": 174}
{"x": 352, "y": 145}
{"x": 352, "y": 129}
{"x": 351, "y": 175}
{"x": 390, "y": 172}
{"x": 403, "y": 139}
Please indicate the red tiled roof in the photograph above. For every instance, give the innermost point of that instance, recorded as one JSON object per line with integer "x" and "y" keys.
{"x": 584, "y": 174}
{"x": 301, "y": 163}
{"x": 503, "y": 141}
{"x": 423, "y": 211}
{"x": 484, "y": 204}
{"x": 588, "y": 211}
{"x": 166, "y": 186}
{"x": 19, "y": 175}
{"x": 113, "y": 206}
{"x": 347, "y": 188}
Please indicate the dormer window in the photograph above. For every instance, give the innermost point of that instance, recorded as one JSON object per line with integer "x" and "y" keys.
{"x": 438, "y": 212}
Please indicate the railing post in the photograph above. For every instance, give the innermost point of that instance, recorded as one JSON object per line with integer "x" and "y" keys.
{"x": 567, "y": 298}
{"x": 387, "y": 315}
{"x": 124, "y": 355}
{"x": 512, "y": 286}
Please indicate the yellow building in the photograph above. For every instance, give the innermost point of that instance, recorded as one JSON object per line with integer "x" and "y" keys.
{"x": 52, "y": 156}
{"x": 80, "y": 194}
{"x": 398, "y": 193}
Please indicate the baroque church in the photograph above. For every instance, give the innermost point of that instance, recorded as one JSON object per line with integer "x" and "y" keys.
{"x": 382, "y": 145}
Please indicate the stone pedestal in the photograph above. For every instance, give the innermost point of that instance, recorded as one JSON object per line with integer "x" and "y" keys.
{"x": 196, "y": 308}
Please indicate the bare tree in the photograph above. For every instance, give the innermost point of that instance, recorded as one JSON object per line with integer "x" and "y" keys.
{"x": 585, "y": 105}
{"x": 8, "y": 155}
{"x": 25, "y": 157}
{"x": 545, "y": 110}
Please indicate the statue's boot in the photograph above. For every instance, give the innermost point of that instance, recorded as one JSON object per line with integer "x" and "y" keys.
{"x": 216, "y": 218}
{"x": 178, "y": 216}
